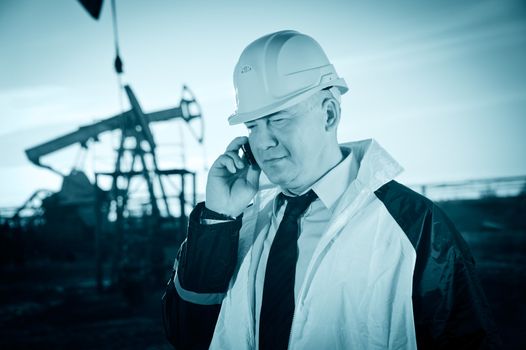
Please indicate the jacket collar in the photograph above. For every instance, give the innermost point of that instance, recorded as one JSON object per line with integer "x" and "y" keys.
{"x": 376, "y": 165}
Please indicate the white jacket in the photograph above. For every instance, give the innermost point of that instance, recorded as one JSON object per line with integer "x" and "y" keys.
{"x": 357, "y": 290}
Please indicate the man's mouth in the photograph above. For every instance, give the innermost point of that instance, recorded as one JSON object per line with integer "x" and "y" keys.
{"x": 271, "y": 160}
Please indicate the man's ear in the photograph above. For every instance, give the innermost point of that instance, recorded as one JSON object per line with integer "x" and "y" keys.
{"x": 331, "y": 110}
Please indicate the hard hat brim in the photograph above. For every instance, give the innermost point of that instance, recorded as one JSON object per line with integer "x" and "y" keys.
{"x": 238, "y": 118}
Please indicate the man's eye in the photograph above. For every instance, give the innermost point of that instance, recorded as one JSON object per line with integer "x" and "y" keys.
{"x": 278, "y": 121}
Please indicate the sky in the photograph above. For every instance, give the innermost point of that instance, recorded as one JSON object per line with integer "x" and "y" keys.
{"x": 441, "y": 85}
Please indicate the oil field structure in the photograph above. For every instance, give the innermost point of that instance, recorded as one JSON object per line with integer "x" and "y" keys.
{"x": 84, "y": 267}
{"x": 126, "y": 227}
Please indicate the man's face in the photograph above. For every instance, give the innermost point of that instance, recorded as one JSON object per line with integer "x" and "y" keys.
{"x": 288, "y": 145}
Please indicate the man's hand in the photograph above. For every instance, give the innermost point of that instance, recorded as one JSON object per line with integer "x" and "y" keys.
{"x": 232, "y": 183}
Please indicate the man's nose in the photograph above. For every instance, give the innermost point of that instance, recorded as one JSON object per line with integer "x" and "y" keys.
{"x": 263, "y": 138}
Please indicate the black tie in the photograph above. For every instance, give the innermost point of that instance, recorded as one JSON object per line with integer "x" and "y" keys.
{"x": 277, "y": 306}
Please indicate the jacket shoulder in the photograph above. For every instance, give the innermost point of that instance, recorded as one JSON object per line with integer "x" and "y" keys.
{"x": 408, "y": 208}
{"x": 424, "y": 223}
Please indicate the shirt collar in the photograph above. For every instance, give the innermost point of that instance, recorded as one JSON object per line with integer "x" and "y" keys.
{"x": 330, "y": 186}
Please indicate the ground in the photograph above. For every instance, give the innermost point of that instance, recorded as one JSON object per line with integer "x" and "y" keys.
{"x": 50, "y": 305}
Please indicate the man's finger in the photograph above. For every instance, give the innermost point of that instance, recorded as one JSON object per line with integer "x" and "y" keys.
{"x": 228, "y": 163}
{"x": 235, "y": 156}
{"x": 236, "y": 143}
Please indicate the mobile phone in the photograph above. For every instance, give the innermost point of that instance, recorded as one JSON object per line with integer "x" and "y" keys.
{"x": 249, "y": 156}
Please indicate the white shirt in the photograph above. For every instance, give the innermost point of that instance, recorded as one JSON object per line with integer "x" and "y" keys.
{"x": 312, "y": 224}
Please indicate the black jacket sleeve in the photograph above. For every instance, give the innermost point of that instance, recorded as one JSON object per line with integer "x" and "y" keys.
{"x": 450, "y": 309}
{"x": 206, "y": 262}
{"x": 187, "y": 325}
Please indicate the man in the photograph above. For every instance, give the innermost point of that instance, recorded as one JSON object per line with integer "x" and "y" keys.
{"x": 331, "y": 252}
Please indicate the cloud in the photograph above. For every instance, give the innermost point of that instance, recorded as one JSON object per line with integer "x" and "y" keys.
{"x": 42, "y": 105}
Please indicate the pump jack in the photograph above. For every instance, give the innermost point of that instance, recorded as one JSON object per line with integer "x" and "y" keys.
{"x": 134, "y": 125}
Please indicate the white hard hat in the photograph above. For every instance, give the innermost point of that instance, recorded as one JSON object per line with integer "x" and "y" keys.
{"x": 278, "y": 71}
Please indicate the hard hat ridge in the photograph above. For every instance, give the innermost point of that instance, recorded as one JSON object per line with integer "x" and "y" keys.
{"x": 279, "y": 70}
